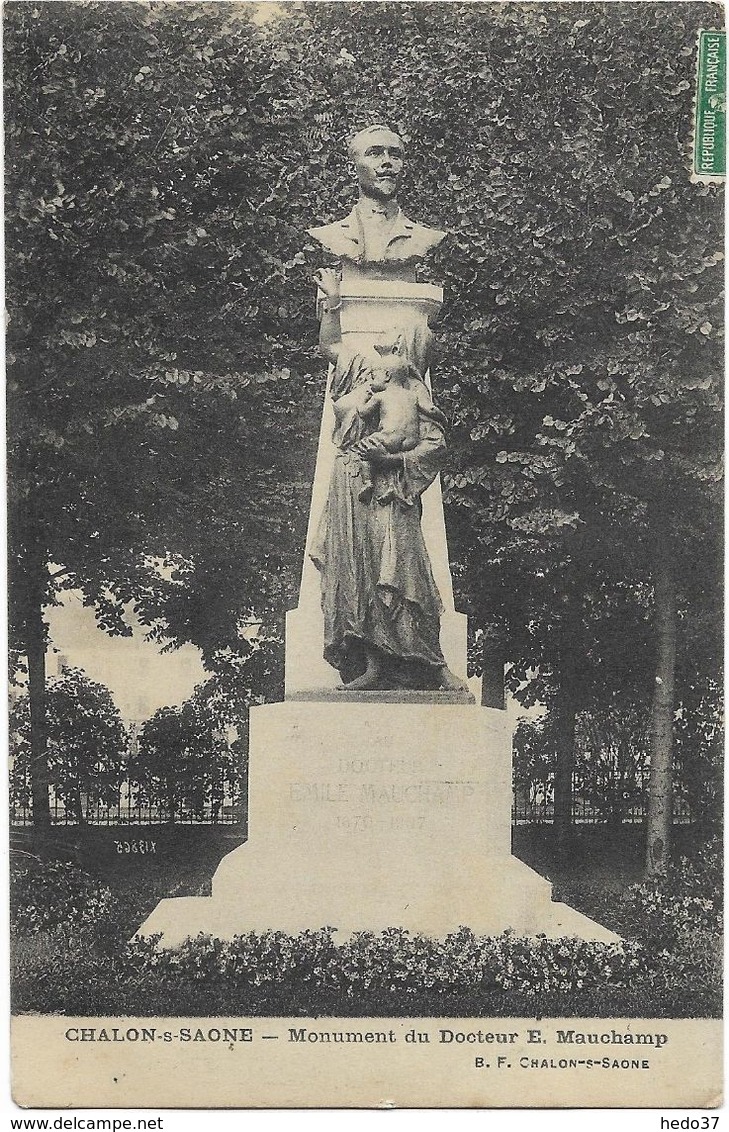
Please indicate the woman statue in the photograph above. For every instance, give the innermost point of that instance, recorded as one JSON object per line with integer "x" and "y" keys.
{"x": 381, "y": 605}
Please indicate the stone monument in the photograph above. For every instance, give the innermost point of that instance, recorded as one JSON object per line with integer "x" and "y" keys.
{"x": 379, "y": 792}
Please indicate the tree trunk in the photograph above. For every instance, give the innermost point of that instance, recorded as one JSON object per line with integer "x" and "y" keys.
{"x": 492, "y": 680}
{"x": 564, "y": 766}
{"x": 35, "y": 646}
{"x": 567, "y": 708}
{"x": 660, "y": 798}
{"x": 78, "y": 803}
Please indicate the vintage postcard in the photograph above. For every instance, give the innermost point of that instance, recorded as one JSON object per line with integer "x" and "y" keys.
{"x": 364, "y": 369}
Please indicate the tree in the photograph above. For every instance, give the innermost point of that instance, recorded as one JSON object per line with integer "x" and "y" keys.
{"x": 187, "y": 761}
{"x": 87, "y": 745}
{"x": 142, "y": 463}
{"x": 608, "y": 334}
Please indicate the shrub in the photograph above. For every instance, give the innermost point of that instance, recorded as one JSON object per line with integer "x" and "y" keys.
{"x": 684, "y": 899}
{"x": 62, "y": 970}
{"x": 52, "y": 894}
{"x": 384, "y": 972}
{"x": 563, "y": 966}
{"x": 390, "y": 972}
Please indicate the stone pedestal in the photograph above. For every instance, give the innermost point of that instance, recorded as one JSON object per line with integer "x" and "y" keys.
{"x": 365, "y": 816}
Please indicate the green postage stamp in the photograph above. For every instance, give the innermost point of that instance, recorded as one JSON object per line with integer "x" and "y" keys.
{"x": 709, "y": 156}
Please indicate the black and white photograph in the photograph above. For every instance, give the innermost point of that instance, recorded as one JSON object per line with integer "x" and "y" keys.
{"x": 364, "y": 368}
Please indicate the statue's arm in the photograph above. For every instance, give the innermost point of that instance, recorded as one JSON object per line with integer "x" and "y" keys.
{"x": 426, "y": 408}
{"x": 372, "y": 449}
{"x": 420, "y": 465}
{"x": 433, "y": 414}
{"x": 330, "y": 335}
{"x": 330, "y": 331}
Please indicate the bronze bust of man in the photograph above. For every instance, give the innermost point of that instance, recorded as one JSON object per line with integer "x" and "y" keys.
{"x": 377, "y": 239}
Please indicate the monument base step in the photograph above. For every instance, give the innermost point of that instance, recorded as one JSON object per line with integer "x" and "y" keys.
{"x": 267, "y": 897}
{"x": 387, "y": 696}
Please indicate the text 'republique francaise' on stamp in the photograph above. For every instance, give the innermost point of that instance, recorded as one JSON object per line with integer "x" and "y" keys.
{"x": 709, "y": 148}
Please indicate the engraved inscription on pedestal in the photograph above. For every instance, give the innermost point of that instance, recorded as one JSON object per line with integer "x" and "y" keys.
{"x": 382, "y": 794}
{"x": 359, "y": 769}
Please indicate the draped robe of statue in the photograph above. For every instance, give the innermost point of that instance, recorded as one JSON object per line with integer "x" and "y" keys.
{"x": 377, "y": 583}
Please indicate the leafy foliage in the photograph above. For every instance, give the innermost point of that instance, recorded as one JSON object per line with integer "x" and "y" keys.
{"x": 684, "y": 901}
{"x": 69, "y": 955}
{"x": 373, "y": 974}
{"x": 185, "y": 761}
{"x": 87, "y": 744}
{"x": 160, "y": 182}
{"x": 148, "y": 399}
{"x": 54, "y": 894}
{"x": 700, "y": 745}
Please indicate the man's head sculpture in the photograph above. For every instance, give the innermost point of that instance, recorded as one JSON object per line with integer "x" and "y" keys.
{"x": 377, "y": 155}
{"x": 359, "y": 241}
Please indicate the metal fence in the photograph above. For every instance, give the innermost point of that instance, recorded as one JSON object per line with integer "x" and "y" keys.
{"x": 127, "y": 809}
{"x": 533, "y": 804}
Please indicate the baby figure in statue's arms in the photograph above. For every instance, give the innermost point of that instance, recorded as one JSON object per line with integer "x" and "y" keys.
{"x": 397, "y": 399}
